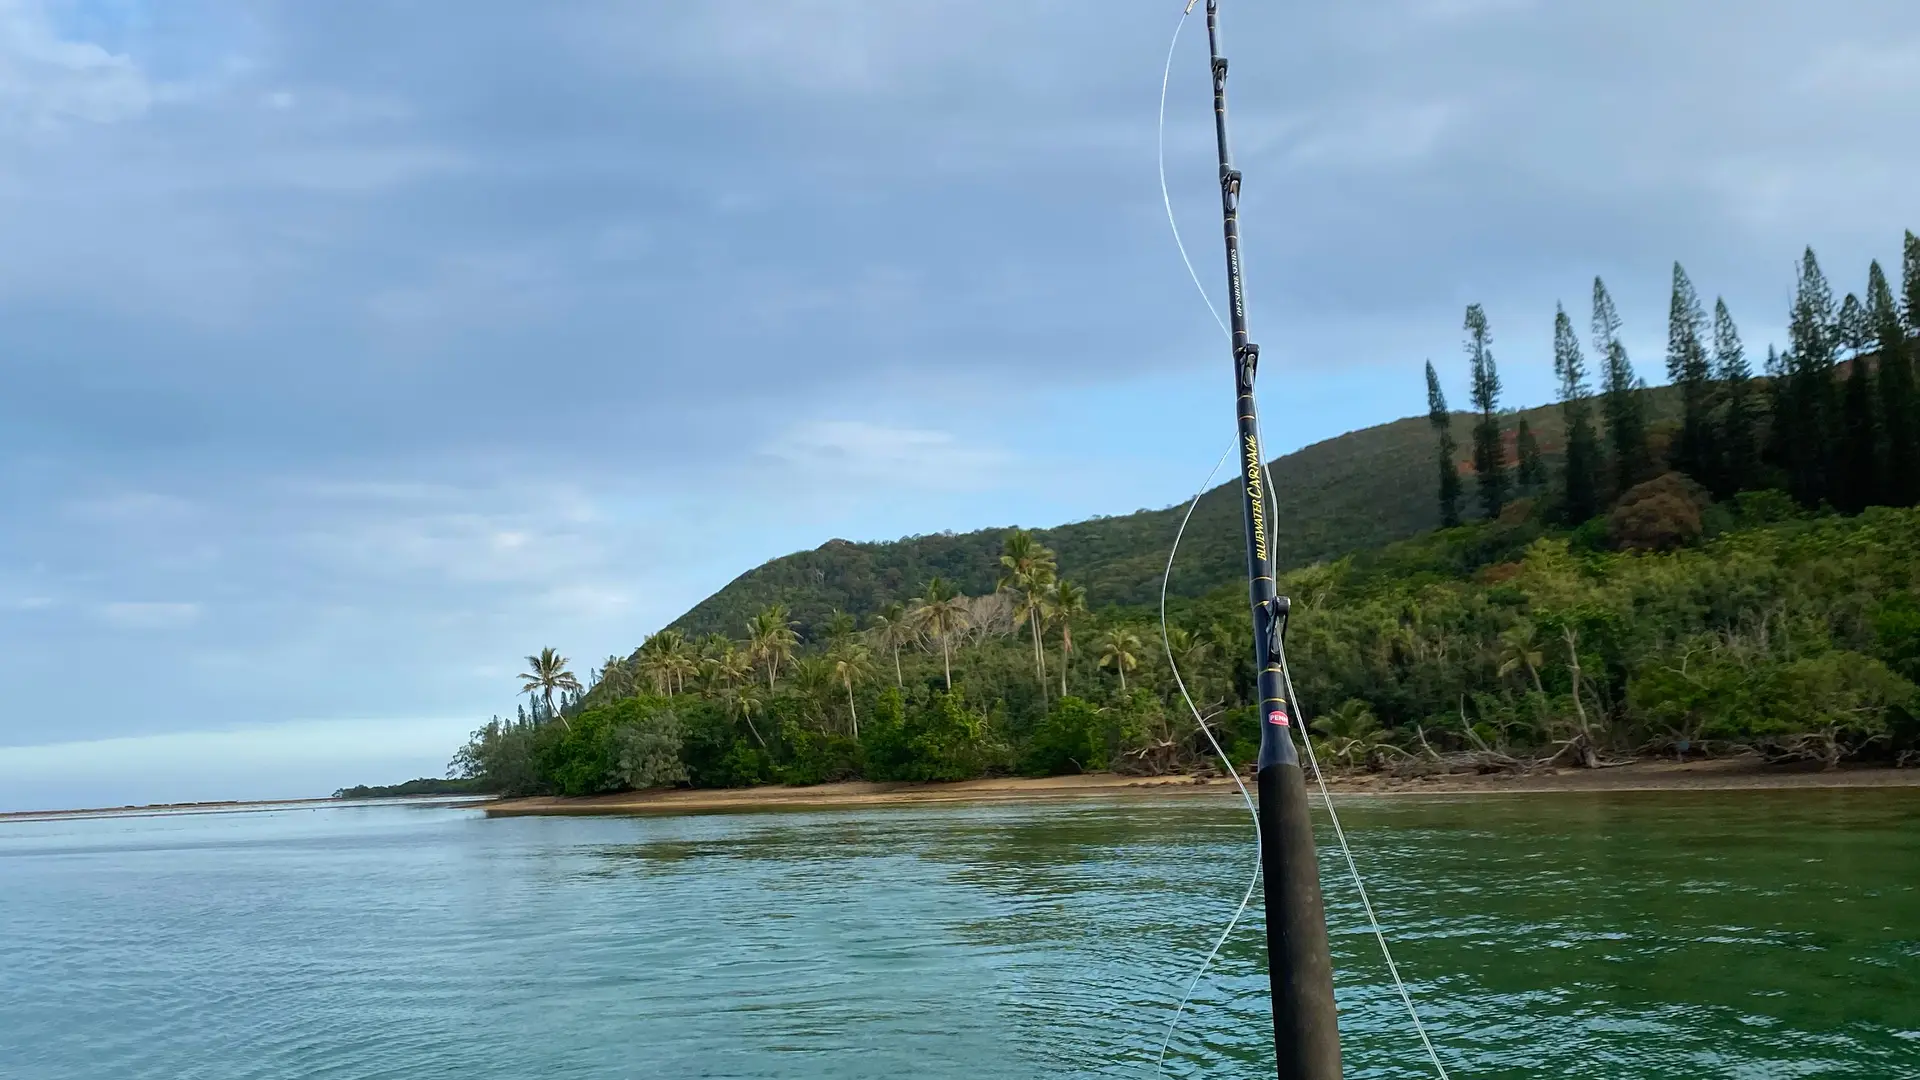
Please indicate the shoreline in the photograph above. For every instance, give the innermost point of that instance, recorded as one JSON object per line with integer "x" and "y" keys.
{"x": 1734, "y": 774}
{"x": 1727, "y": 774}
{"x": 225, "y": 806}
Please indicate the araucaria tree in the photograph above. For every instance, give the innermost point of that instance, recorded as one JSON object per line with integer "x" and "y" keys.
{"x": 1582, "y": 486}
{"x": 1738, "y": 437}
{"x": 1809, "y": 418}
{"x": 1899, "y": 406}
{"x": 1533, "y": 472}
{"x": 1689, "y": 369}
{"x": 1442, "y": 421}
{"x": 1489, "y": 454}
{"x": 1910, "y": 282}
{"x": 1626, "y": 413}
{"x": 1858, "y": 479}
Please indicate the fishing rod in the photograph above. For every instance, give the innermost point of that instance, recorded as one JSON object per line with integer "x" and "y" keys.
{"x": 1306, "y": 1033}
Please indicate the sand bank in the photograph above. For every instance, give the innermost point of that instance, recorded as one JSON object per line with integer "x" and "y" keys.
{"x": 1641, "y": 776}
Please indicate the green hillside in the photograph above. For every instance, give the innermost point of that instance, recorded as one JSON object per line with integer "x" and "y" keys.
{"x": 1360, "y": 490}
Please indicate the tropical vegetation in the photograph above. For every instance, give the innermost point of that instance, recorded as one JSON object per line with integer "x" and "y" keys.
{"x": 1728, "y": 563}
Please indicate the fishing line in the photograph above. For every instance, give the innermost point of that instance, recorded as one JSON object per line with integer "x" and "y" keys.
{"x": 1160, "y": 1059}
{"x": 1346, "y": 851}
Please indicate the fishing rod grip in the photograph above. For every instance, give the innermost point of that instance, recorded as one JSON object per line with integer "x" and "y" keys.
{"x": 1306, "y": 1032}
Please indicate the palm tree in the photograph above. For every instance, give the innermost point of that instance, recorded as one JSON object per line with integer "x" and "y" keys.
{"x": 1027, "y": 571}
{"x": 816, "y": 681}
{"x": 746, "y": 700}
{"x": 1188, "y": 648}
{"x": 943, "y": 613}
{"x": 891, "y": 629}
{"x": 613, "y": 675}
{"x": 1353, "y": 733}
{"x": 1065, "y": 601}
{"x": 852, "y": 663}
{"x": 839, "y": 625}
{"x": 770, "y": 639}
{"x": 655, "y": 661}
{"x": 1121, "y": 652}
{"x": 1519, "y": 648}
{"x": 546, "y": 673}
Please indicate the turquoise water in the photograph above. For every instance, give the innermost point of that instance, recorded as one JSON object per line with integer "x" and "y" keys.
{"x": 1742, "y": 935}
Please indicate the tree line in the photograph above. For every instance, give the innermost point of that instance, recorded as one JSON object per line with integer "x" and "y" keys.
{"x": 941, "y": 685}
{"x": 1834, "y": 421}
{"x": 1744, "y": 579}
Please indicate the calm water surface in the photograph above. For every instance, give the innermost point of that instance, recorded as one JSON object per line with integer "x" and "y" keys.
{"x": 1747, "y": 935}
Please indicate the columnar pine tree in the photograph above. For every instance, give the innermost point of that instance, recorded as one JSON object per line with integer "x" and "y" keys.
{"x": 1899, "y": 405}
{"x": 1857, "y": 480}
{"x": 1777, "y": 452}
{"x": 1688, "y": 368}
{"x": 1442, "y": 421}
{"x": 1737, "y": 438}
{"x": 1582, "y": 465}
{"x": 1489, "y": 454}
{"x": 1850, "y": 329}
{"x": 1533, "y": 471}
{"x": 1910, "y": 282}
{"x": 1626, "y": 412}
{"x": 1812, "y": 444}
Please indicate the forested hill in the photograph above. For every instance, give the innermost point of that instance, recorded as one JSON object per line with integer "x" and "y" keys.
{"x": 1359, "y": 490}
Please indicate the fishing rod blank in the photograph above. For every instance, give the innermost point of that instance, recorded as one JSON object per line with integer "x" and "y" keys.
{"x": 1306, "y": 1034}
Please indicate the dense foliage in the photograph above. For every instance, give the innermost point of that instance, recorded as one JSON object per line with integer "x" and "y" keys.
{"x": 1794, "y": 634}
{"x": 1360, "y": 490}
{"x": 1672, "y": 578}
{"x": 425, "y": 785}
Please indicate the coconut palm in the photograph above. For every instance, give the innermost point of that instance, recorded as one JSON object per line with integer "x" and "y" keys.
{"x": 1352, "y": 733}
{"x": 614, "y": 677}
{"x": 853, "y": 663}
{"x": 1065, "y": 601}
{"x": 941, "y": 613}
{"x": 770, "y": 640}
{"x": 1520, "y": 648}
{"x": 1120, "y": 650}
{"x": 891, "y": 628}
{"x": 839, "y": 625}
{"x": 816, "y": 682}
{"x": 1188, "y": 648}
{"x": 745, "y": 698}
{"x": 1027, "y": 571}
{"x": 546, "y": 673}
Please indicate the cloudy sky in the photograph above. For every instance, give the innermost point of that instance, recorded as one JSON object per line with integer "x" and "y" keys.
{"x": 350, "y": 351}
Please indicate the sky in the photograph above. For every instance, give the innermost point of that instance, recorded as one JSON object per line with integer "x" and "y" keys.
{"x": 349, "y": 352}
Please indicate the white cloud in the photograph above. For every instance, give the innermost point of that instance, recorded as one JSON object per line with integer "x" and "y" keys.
{"x": 290, "y": 760}
{"x": 48, "y": 81}
{"x": 1381, "y": 135}
{"x": 836, "y": 451}
{"x": 141, "y": 508}
{"x": 149, "y": 615}
{"x": 1856, "y": 69}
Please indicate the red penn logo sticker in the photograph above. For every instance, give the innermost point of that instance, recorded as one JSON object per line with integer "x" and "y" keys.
{"x": 1278, "y": 717}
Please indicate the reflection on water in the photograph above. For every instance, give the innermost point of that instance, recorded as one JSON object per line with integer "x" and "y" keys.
{"x": 1621, "y": 936}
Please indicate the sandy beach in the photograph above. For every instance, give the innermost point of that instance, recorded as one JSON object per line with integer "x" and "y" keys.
{"x": 1723, "y": 774}
{"x": 1736, "y": 773}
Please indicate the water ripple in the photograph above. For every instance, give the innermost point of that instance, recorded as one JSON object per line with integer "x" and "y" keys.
{"x": 1739, "y": 935}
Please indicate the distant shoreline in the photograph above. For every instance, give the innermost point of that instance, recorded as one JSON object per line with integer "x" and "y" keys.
{"x": 1734, "y": 774}
{"x": 1719, "y": 775}
{"x": 216, "y": 806}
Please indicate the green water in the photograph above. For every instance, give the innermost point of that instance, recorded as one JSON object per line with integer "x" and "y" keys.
{"x": 1748, "y": 935}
